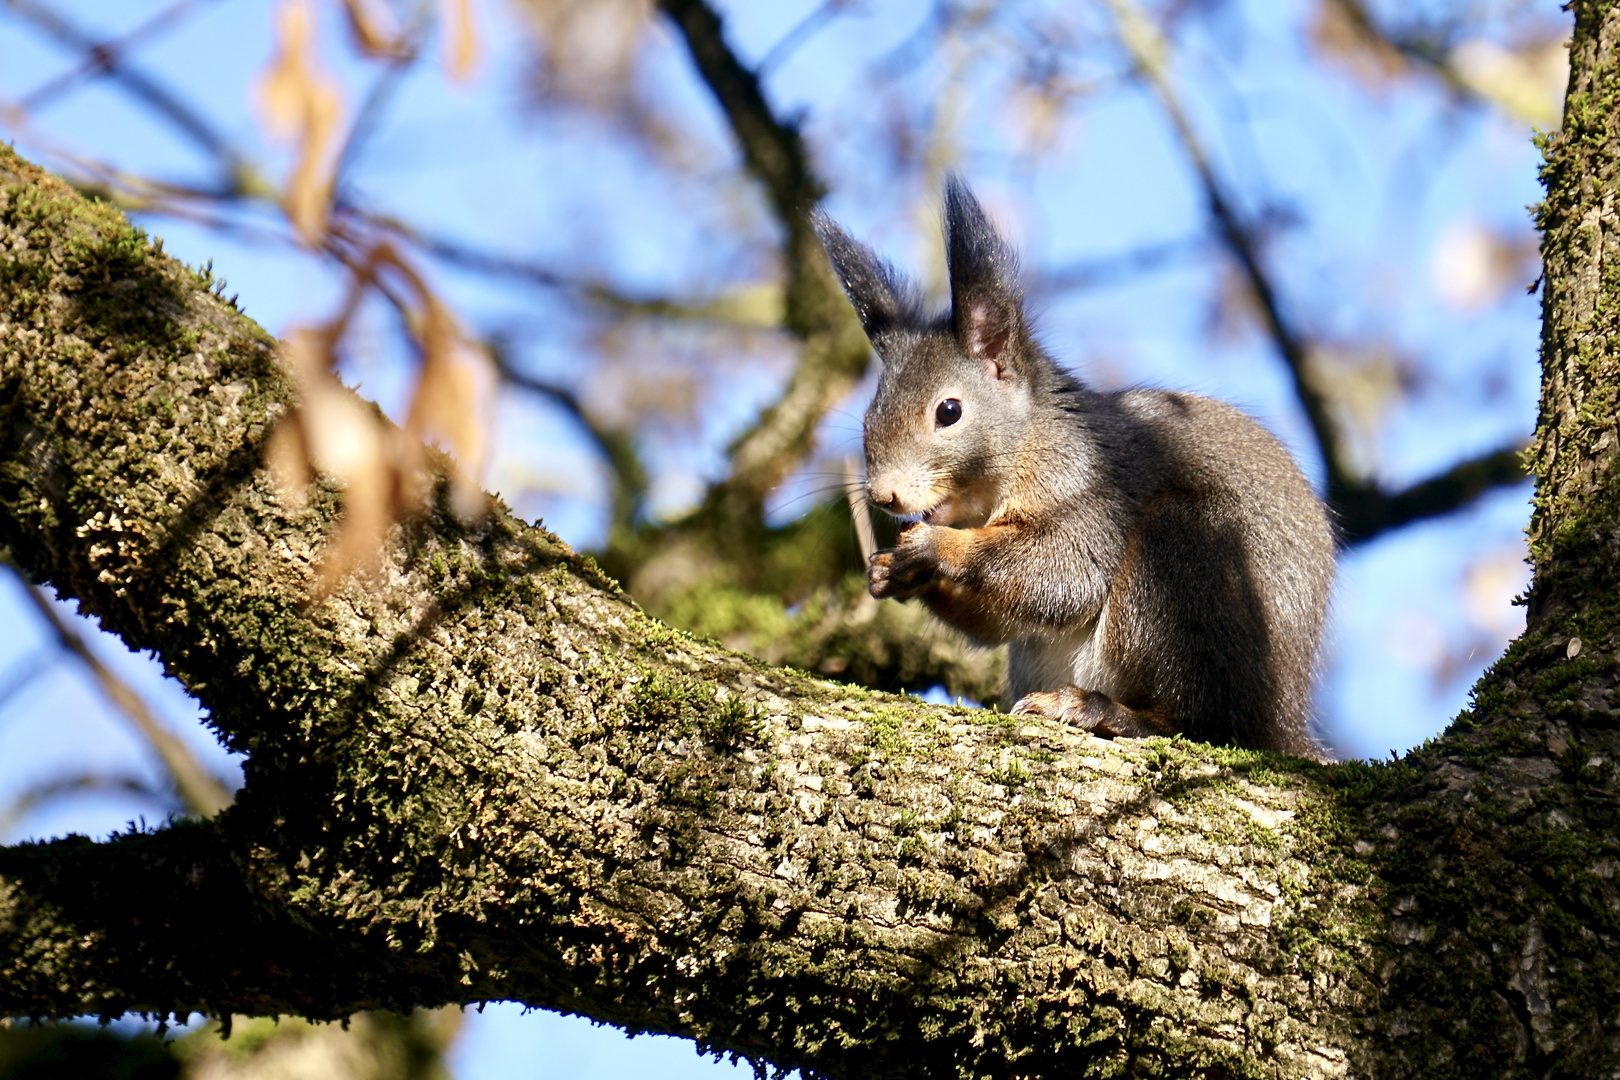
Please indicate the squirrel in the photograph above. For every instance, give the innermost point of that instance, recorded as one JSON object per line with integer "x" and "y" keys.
{"x": 1154, "y": 560}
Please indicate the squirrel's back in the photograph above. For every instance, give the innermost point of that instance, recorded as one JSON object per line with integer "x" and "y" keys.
{"x": 1219, "y": 587}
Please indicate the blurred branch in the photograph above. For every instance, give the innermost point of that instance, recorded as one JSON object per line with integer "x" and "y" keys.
{"x": 1362, "y": 509}
{"x": 772, "y": 148}
{"x": 23, "y": 672}
{"x": 801, "y": 32}
{"x": 617, "y": 447}
{"x": 371, "y": 112}
{"x": 1365, "y": 512}
{"x": 913, "y": 49}
{"x": 62, "y": 787}
{"x": 1113, "y": 269}
{"x": 467, "y": 257}
{"x": 397, "y": 63}
{"x": 202, "y": 793}
{"x": 376, "y": 1045}
{"x": 143, "y": 87}
{"x": 835, "y": 352}
{"x": 1418, "y": 50}
{"x": 888, "y": 646}
{"x": 493, "y": 264}
{"x": 1425, "y": 51}
{"x": 99, "y": 58}
{"x": 1149, "y": 50}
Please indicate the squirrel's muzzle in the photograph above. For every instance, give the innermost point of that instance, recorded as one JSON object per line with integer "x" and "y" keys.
{"x": 883, "y": 497}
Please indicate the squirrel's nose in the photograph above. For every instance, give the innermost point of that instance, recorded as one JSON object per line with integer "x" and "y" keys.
{"x": 881, "y": 497}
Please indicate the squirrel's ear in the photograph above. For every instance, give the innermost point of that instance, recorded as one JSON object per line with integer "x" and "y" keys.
{"x": 987, "y": 310}
{"x": 879, "y": 295}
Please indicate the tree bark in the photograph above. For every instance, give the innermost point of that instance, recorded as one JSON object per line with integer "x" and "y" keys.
{"x": 482, "y": 772}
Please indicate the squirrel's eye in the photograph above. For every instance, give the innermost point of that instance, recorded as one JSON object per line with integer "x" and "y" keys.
{"x": 948, "y": 412}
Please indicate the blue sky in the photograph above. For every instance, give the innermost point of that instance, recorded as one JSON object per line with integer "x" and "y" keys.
{"x": 1372, "y": 185}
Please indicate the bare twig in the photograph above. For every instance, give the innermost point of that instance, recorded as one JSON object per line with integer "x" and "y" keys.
{"x": 1105, "y": 270}
{"x": 76, "y": 784}
{"x": 381, "y": 95}
{"x": 1367, "y": 512}
{"x": 842, "y": 633}
{"x": 98, "y": 59}
{"x": 1149, "y": 51}
{"x": 1422, "y": 52}
{"x": 18, "y": 677}
{"x": 772, "y": 148}
{"x": 143, "y": 87}
{"x": 202, "y": 792}
{"x": 801, "y": 32}
{"x": 465, "y": 256}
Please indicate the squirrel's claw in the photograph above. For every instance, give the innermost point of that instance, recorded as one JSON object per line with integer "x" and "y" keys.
{"x": 1052, "y": 704}
{"x": 892, "y": 576}
{"x": 1091, "y": 711}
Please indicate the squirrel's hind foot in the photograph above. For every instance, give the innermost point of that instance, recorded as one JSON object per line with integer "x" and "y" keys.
{"x": 1092, "y": 711}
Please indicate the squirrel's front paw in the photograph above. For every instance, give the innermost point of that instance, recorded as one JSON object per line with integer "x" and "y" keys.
{"x": 891, "y": 575}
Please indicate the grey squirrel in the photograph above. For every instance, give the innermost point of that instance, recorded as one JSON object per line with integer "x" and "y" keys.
{"x": 1155, "y": 560}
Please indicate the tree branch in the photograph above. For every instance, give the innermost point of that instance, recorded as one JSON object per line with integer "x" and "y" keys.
{"x": 234, "y": 169}
{"x": 79, "y": 783}
{"x": 1573, "y": 543}
{"x": 15, "y": 679}
{"x": 591, "y": 290}
{"x": 199, "y": 789}
{"x": 844, "y": 634}
{"x": 1365, "y": 512}
{"x": 618, "y": 448}
{"x": 100, "y": 56}
{"x": 1426, "y": 52}
{"x": 1108, "y": 270}
{"x": 1149, "y": 51}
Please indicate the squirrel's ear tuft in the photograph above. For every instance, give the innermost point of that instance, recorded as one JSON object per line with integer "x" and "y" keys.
{"x": 987, "y": 310}
{"x": 879, "y": 295}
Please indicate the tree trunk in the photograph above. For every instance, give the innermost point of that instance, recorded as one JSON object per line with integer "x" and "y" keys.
{"x": 481, "y": 772}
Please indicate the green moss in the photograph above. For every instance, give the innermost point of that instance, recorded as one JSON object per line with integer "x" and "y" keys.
{"x": 734, "y": 723}
{"x": 900, "y": 731}
{"x": 1011, "y": 775}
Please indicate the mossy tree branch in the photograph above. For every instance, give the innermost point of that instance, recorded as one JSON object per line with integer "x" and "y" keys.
{"x": 483, "y": 773}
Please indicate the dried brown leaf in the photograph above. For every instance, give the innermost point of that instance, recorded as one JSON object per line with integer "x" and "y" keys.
{"x": 286, "y": 455}
{"x": 1341, "y": 34}
{"x": 381, "y": 471}
{"x": 461, "y": 45}
{"x": 376, "y": 34}
{"x": 302, "y": 104}
{"x": 453, "y": 401}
